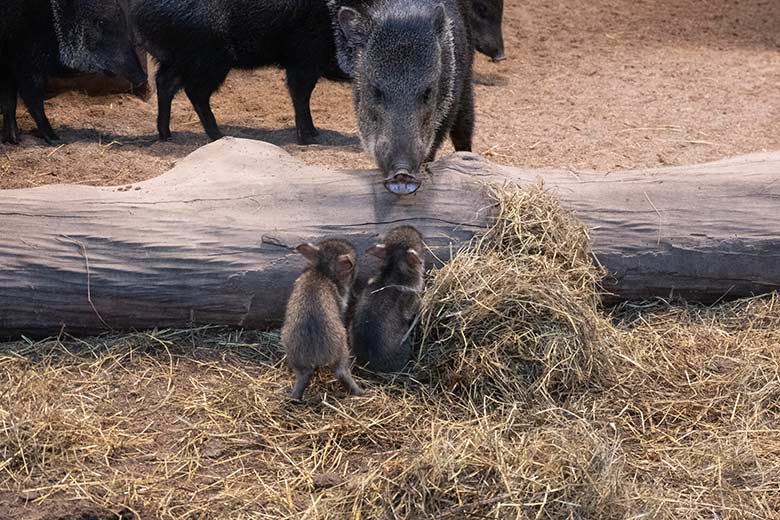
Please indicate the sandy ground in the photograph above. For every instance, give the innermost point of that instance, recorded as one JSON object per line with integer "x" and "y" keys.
{"x": 603, "y": 84}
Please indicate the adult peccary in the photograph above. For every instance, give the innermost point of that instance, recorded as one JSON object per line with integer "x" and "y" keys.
{"x": 485, "y": 17}
{"x": 314, "y": 333}
{"x": 38, "y": 38}
{"x": 380, "y": 331}
{"x": 197, "y": 42}
{"x": 411, "y": 63}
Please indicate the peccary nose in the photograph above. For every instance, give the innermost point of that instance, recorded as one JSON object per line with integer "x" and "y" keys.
{"x": 402, "y": 182}
{"x": 132, "y": 70}
{"x": 498, "y": 57}
{"x": 141, "y": 91}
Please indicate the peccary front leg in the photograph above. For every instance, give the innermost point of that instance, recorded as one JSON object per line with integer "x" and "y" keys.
{"x": 168, "y": 84}
{"x": 301, "y": 83}
{"x": 8, "y": 104}
{"x": 200, "y": 98}
{"x": 31, "y": 90}
{"x": 463, "y": 127}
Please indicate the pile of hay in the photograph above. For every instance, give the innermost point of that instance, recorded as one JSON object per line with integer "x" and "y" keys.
{"x": 513, "y": 317}
{"x": 529, "y": 402}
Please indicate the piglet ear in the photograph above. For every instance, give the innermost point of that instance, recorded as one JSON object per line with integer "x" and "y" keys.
{"x": 378, "y": 250}
{"x": 309, "y": 251}
{"x": 345, "y": 264}
{"x": 413, "y": 258}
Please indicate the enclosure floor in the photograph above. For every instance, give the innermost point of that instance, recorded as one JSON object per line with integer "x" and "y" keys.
{"x": 602, "y": 84}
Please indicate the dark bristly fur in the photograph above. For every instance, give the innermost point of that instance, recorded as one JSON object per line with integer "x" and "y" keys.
{"x": 314, "y": 333}
{"x": 197, "y": 42}
{"x": 380, "y": 330}
{"x": 411, "y": 60}
{"x": 40, "y": 37}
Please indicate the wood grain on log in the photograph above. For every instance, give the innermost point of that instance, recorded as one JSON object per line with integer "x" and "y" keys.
{"x": 703, "y": 232}
{"x": 204, "y": 243}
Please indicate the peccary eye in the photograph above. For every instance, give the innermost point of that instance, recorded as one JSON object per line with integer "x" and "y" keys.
{"x": 377, "y": 94}
{"x": 425, "y": 97}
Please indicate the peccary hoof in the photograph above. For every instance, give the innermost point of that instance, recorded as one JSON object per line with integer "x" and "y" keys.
{"x": 50, "y": 138}
{"x": 215, "y": 134}
{"x": 498, "y": 57}
{"x": 307, "y": 137}
{"x": 10, "y": 138}
{"x": 402, "y": 183}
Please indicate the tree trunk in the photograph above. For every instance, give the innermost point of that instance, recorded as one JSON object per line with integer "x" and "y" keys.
{"x": 208, "y": 241}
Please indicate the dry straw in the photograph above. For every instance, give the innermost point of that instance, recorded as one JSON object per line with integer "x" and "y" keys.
{"x": 513, "y": 317}
{"x": 528, "y": 403}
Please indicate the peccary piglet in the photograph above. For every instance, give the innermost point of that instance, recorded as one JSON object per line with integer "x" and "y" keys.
{"x": 314, "y": 333}
{"x": 197, "y": 42}
{"x": 381, "y": 328}
{"x": 485, "y": 17}
{"x": 38, "y": 38}
{"x": 411, "y": 63}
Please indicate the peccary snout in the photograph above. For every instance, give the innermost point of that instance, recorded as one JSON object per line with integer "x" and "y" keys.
{"x": 133, "y": 70}
{"x": 485, "y": 17}
{"x": 400, "y": 158}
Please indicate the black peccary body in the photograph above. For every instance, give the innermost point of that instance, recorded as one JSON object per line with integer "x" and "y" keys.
{"x": 314, "y": 333}
{"x": 411, "y": 63}
{"x": 197, "y": 42}
{"x": 41, "y": 37}
{"x": 381, "y": 327}
{"x": 485, "y": 17}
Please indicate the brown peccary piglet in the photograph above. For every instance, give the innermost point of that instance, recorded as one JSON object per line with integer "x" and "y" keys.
{"x": 386, "y": 310}
{"x": 314, "y": 333}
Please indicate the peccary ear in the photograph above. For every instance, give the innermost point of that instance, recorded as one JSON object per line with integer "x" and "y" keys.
{"x": 344, "y": 265}
{"x": 413, "y": 258}
{"x": 378, "y": 250}
{"x": 354, "y": 25}
{"x": 64, "y": 12}
{"x": 64, "y": 5}
{"x": 440, "y": 20}
{"x": 309, "y": 251}
{"x": 351, "y": 30}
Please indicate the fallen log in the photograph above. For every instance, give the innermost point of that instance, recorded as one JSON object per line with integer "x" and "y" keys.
{"x": 207, "y": 242}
